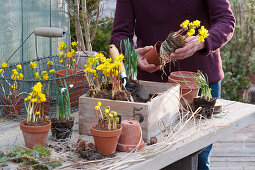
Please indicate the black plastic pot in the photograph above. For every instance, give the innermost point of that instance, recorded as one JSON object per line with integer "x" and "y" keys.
{"x": 207, "y": 106}
{"x": 61, "y": 130}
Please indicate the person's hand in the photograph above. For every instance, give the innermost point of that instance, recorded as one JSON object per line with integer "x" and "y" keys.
{"x": 187, "y": 51}
{"x": 142, "y": 62}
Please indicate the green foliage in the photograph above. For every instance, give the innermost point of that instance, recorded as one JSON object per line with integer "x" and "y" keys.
{"x": 131, "y": 60}
{"x": 103, "y": 35}
{"x": 63, "y": 102}
{"x": 203, "y": 84}
{"x": 38, "y": 157}
{"x": 238, "y": 55}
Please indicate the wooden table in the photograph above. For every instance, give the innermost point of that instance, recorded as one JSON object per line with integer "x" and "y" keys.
{"x": 236, "y": 116}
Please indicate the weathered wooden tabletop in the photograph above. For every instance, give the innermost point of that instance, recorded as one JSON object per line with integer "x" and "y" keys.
{"x": 235, "y": 117}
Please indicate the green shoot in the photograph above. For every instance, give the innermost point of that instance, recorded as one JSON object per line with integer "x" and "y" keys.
{"x": 131, "y": 60}
{"x": 203, "y": 83}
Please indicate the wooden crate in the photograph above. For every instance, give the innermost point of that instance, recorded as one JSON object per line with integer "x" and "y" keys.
{"x": 163, "y": 108}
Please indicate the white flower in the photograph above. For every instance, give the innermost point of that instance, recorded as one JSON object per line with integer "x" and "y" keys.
{"x": 63, "y": 90}
{"x": 71, "y": 86}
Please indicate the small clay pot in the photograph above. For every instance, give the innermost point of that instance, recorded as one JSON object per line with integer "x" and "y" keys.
{"x": 188, "y": 90}
{"x": 207, "y": 106}
{"x": 184, "y": 76}
{"x": 106, "y": 141}
{"x": 130, "y": 137}
{"x": 34, "y": 135}
{"x": 152, "y": 55}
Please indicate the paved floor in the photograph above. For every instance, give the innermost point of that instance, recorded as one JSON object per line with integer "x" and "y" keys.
{"x": 233, "y": 153}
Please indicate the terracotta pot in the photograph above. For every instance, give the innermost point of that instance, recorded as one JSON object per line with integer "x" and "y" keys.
{"x": 78, "y": 81}
{"x": 34, "y": 135}
{"x": 12, "y": 105}
{"x": 188, "y": 90}
{"x": 184, "y": 75}
{"x": 152, "y": 55}
{"x": 130, "y": 136}
{"x": 106, "y": 141}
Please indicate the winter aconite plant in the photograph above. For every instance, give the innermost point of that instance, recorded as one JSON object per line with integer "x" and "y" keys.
{"x": 34, "y": 104}
{"x": 176, "y": 39}
{"x": 103, "y": 73}
{"x": 107, "y": 119}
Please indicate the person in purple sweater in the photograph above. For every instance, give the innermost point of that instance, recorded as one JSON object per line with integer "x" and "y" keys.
{"x": 152, "y": 21}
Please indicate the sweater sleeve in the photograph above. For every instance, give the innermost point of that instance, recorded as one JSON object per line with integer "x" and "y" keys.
{"x": 124, "y": 21}
{"x": 222, "y": 24}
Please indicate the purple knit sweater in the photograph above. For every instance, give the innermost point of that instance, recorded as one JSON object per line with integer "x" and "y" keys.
{"x": 152, "y": 20}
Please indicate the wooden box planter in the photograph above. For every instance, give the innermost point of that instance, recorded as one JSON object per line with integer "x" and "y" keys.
{"x": 163, "y": 108}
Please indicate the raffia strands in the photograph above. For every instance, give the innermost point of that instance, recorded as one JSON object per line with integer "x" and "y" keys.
{"x": 166, "y": 142}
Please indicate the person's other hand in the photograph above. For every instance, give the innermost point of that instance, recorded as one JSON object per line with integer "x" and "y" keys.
{"x": 187, "y": 51}
{"x": 142, "y": 62}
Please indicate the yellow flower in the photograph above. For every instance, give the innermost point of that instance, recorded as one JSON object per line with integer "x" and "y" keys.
{"x": 62, "y": 46}
{"x": 52, "y": 71}
{"x": 61, "y": 54}
{"x": 25, "y": 99}
{"x": 21, "y": 76}
{"x": 19, "y": 66}
{"x": 201, "y": 39}
{"x": 1, "y": 70}
{"x": 90, "y": 61}
{"x": 185, "y": 24}
{"x": 117, "y": 63}
{"x": 115, "y": 114}
{"x": 74, "y": 44}
{"x": 50, "y": 63}
{"x": 4, "y": 65}
{"x": 74, "y": 60}
{"x": 29, "y": 97}
{"x": 33, "y": 65}
{"x": 69, "y": 54}
{"x": 34, "y": 100}
{"x": 61, "y": 61}
{"x": 196, "y": 23}
{"x": 96, "y": 107}
{"x": 103, "y": 59}
{"x": 14, "y": 86}
{"x": 203, "y": 32}
{"x": 46, "y": 76}
{"x": 38, "y": 87}
{"x": 13, "y": 76}
{"x": 37, "y": 76}
{"x": 15, "y": 72}
{"x": 44, "y": 72}
{"x": 2, "y": 120}
{"x": 73, "y": 52}
{"x": 37, "y": 113}
{"x": 99, "y": 103}
{"x": 110, "y": 115}
{"x": 191, "y": 32}
{"x": 120, "y": 57}
{"x": 106, "y": 111}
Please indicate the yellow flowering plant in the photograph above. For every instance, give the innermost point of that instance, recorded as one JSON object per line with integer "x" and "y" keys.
{"x": 34, "y": 104}
{"x": 67, "y": 58}
{"x": 103, "y": 73}
{"x": 107, "y": 119}
{"x": 176, "y": 39}
{"x": 17, "y": 74}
